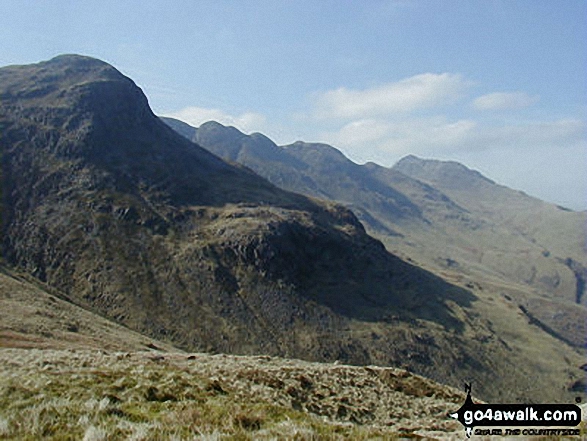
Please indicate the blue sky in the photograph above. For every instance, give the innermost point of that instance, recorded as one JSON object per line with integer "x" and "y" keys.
{"x": 499, "y": 85}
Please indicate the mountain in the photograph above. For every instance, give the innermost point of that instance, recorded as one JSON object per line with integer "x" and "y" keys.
{"x": 537, "y": 246}
{"x": 441, "y": 214}
{"x": 106, "y": 204}
{"x": 514, "y": 251}
{"x": 553, "y": 230}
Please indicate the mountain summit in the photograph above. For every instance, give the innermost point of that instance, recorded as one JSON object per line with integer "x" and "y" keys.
{"x": 450, "y": 173}
{"x": 107, "y": 204}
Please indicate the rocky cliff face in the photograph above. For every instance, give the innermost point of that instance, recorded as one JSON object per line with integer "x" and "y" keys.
{"x": 451, "y": 219}
{"x": 106, "y": 203}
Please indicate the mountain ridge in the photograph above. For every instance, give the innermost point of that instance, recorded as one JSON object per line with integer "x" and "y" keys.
{"x": 108, "y": 205}
{"x": 419, "y": 197}
{"x": 444, "y": 216}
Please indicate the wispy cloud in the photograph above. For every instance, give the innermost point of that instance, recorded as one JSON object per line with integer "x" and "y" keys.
{"x": 505, "y": 101}
{"x": 246, "y": 122}
{"x": 385, "y": 122}
{"x": 404, "y": 96}
{"x": 384, "y": 141}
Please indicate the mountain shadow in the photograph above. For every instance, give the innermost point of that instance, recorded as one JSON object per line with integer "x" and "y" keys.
{"x": 106, "y": 203}
{"x": 441, "y": 214}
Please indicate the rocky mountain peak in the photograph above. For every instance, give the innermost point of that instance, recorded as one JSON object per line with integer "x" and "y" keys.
{"x": 65, "y": 73}
{"x": 446, "y": 173}
{"x": 74, "y": 93}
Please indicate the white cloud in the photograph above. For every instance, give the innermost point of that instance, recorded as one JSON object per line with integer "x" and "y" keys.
{"x": 543, "y": 134}
{"x": 385, "y": 141}
{"x": 416, "y": 92}
{"x": 504, "y": 101}
{"x": 195, "y": 116}
{"x": 360, "y": 132}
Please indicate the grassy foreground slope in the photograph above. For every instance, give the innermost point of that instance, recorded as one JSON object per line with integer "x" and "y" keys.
{"x": 114, "y": 384}
{"x": 143, "y": 395}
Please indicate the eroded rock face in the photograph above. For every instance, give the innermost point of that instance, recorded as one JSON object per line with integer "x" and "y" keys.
{"x": 106, "y": 203}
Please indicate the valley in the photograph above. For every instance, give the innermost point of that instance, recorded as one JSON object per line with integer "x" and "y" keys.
{"x": 119, "y": 234}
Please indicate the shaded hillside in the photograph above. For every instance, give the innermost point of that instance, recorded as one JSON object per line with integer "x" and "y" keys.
{"x": 107, "y": 204}
{"x": 444, "y": 216}
{"x": 35, "y": 316}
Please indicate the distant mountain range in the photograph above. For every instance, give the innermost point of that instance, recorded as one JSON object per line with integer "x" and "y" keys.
{"x": 106, "y": 204}
{"x": 446, "y": 217}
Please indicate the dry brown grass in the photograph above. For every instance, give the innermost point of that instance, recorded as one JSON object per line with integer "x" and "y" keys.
{"x": 95, "y": 395}
{"x": 32, "y": 317}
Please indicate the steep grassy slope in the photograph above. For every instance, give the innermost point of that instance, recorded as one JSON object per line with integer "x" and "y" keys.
{"x": 442, "y": 215}
{"x": 65, "y": 382}
{"x": 33, "y": 315}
